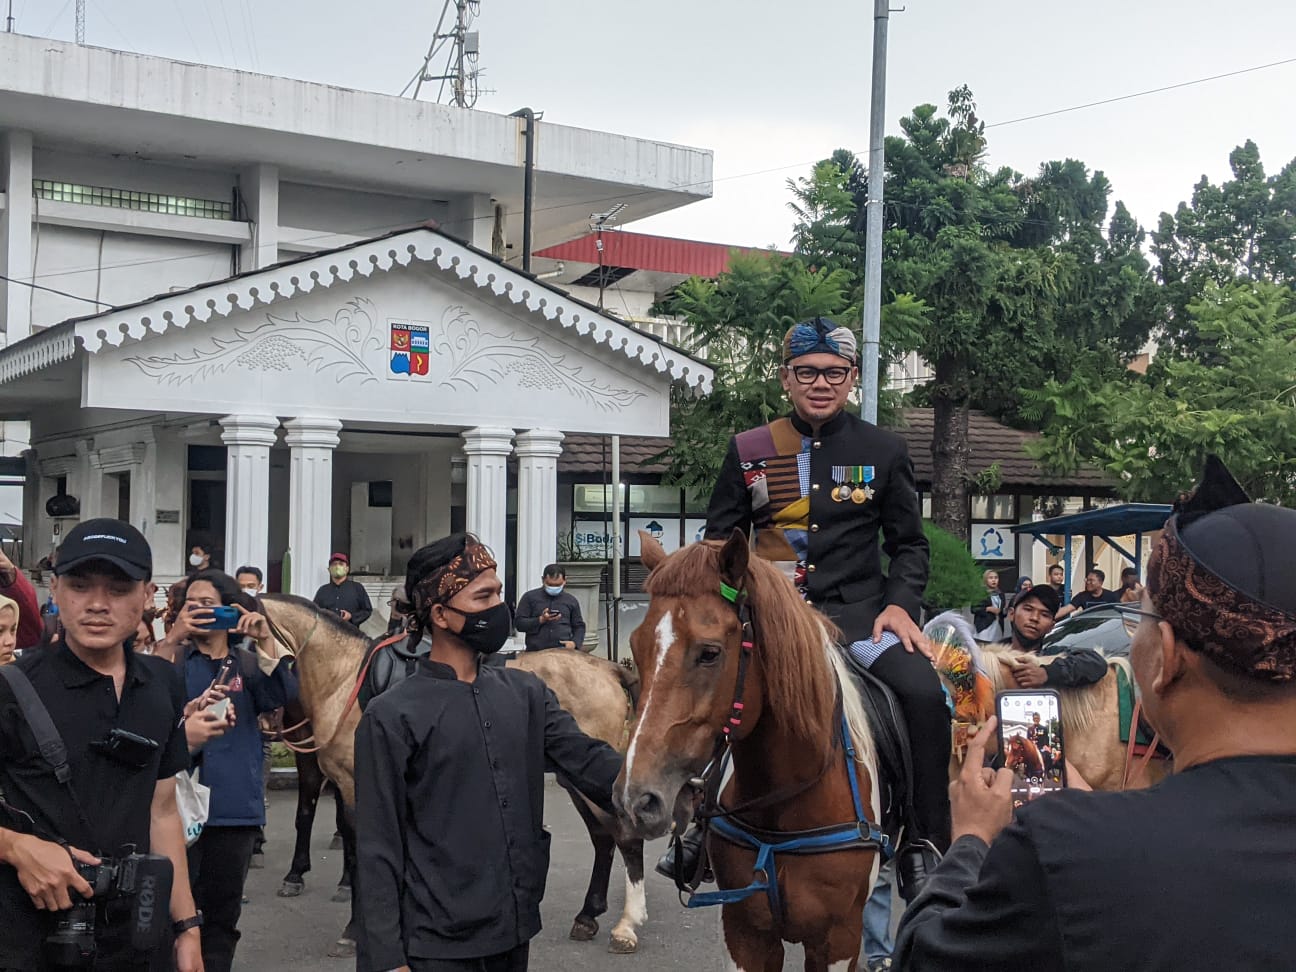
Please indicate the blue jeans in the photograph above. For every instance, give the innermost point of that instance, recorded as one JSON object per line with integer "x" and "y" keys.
{"x": 878, "y": 943}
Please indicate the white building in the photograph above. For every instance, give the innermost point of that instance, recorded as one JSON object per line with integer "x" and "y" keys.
{"x": 176, "y": 370}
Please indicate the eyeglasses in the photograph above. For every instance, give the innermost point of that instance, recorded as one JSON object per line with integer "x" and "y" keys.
{"x": 1133, "y": 616}
{"x": 807, "y": 375}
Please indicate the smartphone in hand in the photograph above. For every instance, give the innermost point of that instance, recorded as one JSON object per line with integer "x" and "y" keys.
{"x": 1031, "y": 741}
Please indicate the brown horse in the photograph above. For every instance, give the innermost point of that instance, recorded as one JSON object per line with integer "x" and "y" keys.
{"x": 1023, "y": 757}
{"x": 789, "y": 768}
{"x": 598, "y": 694}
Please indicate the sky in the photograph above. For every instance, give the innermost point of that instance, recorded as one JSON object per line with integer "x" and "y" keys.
{"x": 771, "y": 87}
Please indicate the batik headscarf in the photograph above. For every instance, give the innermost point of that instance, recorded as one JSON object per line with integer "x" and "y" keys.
{"x": 1220, "y": 575}
{"x": 819, "y": 336}
{"x": 437, "y": 583}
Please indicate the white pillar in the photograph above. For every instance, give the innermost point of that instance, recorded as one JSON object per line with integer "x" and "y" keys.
{"x": 310, "y": 500}
{"x": 248, "y": 440}
{"x": 486, "y": 510}
{"x": 538, "y": 451}
{"x": 16, "y": 234}
{"x": 260, "y": 188}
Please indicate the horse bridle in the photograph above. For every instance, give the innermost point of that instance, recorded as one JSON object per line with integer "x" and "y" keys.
{"x": 712, "y": 778}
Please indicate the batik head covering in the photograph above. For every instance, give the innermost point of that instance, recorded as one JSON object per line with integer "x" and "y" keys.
{"x": 819, "y": 336}
{"x": 1220, "y": 574}
{"x": 437, "y": 583}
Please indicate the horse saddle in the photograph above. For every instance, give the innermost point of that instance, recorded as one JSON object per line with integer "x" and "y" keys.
{"x": 891, "y": 739}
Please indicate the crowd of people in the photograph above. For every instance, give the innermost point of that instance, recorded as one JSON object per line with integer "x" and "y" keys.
{"x": 103, "y": 719}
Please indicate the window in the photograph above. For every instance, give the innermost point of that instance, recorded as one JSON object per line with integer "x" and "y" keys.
{"x": 147, "y": 202}
{"x": 997, "y": 507}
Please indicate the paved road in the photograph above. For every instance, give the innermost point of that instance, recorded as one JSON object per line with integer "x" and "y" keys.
{"x": 295, "y": 933}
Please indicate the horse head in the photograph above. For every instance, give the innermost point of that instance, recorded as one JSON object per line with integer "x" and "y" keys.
{"x": 687, "y": 651}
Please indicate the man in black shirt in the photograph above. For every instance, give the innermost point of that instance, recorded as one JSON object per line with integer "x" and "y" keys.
{"x": 1194, "y": 873}
{"x": 1093, "y": 593}
{"x": 549, "y": 616}
{"x": 1031, "y": 619}
{"x": 341, "y": 595}
{"x": 92, "y": 684}
{"x": 450, "y": 764}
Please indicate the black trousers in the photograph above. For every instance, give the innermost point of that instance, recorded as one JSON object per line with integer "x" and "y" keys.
{"x": 218, "y": 868}
{"x": 917, "y": 687}
{"x": 514, "y": 960}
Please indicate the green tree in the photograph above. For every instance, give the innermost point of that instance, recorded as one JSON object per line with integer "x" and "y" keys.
{"x": 1242, "y": 229}
{"x": 955, "y": 577}
{"x": 1018, "y": 277}
{"x": 1233, "y": 394}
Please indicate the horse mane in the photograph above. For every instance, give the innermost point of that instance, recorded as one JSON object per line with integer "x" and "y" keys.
{"x": 1082, "y": 706}
{"x": 800, "y": 687}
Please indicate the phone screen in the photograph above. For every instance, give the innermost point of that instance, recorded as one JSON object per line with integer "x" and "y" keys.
{"x": 1030, "y": 739}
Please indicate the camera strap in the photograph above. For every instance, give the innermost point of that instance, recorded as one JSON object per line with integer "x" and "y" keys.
{"x": 48, "y": 741}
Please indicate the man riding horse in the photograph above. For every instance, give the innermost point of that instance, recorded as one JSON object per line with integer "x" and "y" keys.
{"x": 814, "y": 489}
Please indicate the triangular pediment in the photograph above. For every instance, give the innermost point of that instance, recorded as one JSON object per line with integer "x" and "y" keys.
{"x": 413, "y": 329}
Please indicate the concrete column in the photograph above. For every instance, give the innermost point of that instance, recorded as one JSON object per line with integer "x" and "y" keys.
{"x": 16, "y": 234}
{"x": 537, "y": 503}
{"x": 248, "y": 440}
{"x": 159, "y": 504}
{"x": 486, "y": 510}
{"x": 435, "y": 486}
{"x": 259, "y": 185}
{"x": 310, "y": 500}
{"x": 471, "y": 218}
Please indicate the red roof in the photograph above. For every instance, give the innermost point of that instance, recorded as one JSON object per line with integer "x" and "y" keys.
{"x": 641, "y": 251}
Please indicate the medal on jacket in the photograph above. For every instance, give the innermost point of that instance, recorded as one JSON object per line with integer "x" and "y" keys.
{"x": 842, "y": 493}
{"x": 852, "y": 484}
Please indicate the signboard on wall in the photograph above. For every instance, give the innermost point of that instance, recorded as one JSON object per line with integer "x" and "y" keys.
{"x": 993, "y": 541}
{"x": 663, "y": 529}
{"x": 593, "y": 538}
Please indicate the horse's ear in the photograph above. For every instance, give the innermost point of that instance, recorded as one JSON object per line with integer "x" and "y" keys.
{"x": 734, "y": 556}
{"x": 651, "y": 552}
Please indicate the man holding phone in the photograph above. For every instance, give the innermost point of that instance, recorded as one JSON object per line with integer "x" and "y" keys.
{"x": 548, "y": 615}
{"x": 220, "y": 641}
{"x": 1195, "y": 872}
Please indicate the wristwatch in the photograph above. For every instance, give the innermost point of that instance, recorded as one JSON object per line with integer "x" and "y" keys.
{"x": 182, "y": 926}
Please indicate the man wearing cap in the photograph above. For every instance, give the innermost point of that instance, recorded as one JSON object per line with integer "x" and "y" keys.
{"x": 451, "y": 848}
{"x": 814, "y": 490}
{"x": 121, "y": 797}
{"x": 1195, "y": 872}
{"x": 343, "y": 596}
{"x": 1031, "y": 619}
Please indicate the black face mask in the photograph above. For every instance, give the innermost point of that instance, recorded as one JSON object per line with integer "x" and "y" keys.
{"x": 485, "y": 631}
{"x": 1030, "y": 644}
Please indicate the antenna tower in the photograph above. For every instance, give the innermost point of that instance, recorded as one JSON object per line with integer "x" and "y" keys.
{"x": 599, "y": 224}
{"x": 458, "y": 44}
{"x": 80, "y": 21}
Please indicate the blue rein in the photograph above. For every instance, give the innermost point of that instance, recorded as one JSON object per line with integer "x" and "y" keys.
{"x": 861, "y": 833}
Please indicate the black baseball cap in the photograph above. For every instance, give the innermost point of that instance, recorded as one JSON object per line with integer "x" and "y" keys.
{"x": 1043, "y": 593}
{"x": 109, "y": 540}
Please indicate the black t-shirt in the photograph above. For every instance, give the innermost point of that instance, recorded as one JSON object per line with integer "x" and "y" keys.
{"x": 114, "y": 798}
{"x": 1086, "y": 600}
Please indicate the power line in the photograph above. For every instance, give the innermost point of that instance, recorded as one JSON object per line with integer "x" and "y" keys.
{"x": 1141, "y": 94}
{"x": 51, "y": 290}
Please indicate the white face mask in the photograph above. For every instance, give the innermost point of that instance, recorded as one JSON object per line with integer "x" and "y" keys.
{"x": 553, "y": 591}
{"x": 251, "y": 590}
{"x": 195, "y": 560}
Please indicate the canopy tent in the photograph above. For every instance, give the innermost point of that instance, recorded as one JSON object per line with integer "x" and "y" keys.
{"x": 1127, "y": 519}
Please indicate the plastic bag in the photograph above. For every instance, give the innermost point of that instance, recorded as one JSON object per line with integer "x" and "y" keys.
{"x": 194, "y": 801}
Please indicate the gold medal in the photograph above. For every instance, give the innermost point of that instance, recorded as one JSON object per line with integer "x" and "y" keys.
{"x": 858, "y": 495}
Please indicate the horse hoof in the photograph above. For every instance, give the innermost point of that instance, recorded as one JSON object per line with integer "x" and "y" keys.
{"x": 343, "y": 948}
{"x": 342, "y": 895}
{"x": 291, "y": 889}
{"x": 336, "y": 842}
{"x": 584, "y": 929}
{"x": 623, "y": 946}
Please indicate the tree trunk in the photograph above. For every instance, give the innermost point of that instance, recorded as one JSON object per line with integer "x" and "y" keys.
{"x": 951, "y": 454}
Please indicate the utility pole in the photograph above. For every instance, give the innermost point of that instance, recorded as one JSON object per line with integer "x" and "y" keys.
{"x": 873, "y": 226}
{"x": 80, "y": 21}
{"x": 9, "y": 21}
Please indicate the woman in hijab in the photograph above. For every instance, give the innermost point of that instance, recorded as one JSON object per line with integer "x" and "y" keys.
{"x": 8, "y": 629}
